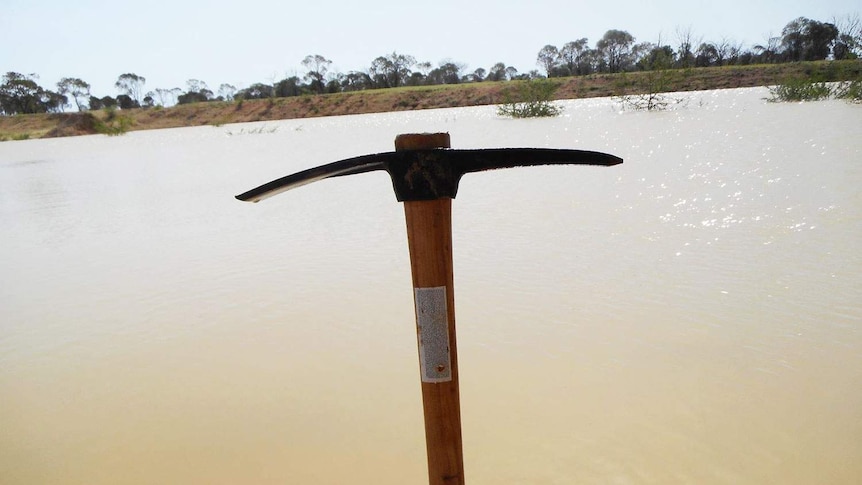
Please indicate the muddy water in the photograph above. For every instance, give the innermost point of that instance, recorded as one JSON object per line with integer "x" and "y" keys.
{"x": 692, "y": 316}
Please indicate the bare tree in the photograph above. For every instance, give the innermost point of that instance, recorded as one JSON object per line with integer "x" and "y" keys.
{"x": 686, "y": 43}
{"x": 849, "y": 37}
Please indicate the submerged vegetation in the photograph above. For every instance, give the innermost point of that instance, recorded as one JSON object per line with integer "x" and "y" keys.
{"x": 849, "y": 91}
{"x": 806, "y": 90}
{"x": 529, "y": 99}
{"x": 800, "y": 90}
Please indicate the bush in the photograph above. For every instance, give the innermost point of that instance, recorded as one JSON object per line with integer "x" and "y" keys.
{"x": 113, "y": 124}
{"x": 530, "y": 99}
{"x": 797, "y": 89}
{"x": 651, "y": 89}
{"x": 849, "y": 91}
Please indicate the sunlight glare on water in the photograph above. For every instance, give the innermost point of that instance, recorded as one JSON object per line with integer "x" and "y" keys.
{"x": 691, "y": 316}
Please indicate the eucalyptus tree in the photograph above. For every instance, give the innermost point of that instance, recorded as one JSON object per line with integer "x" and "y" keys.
{"x": 571, "y": 55}
{"x": 226, "y": 91}
{"x": 448, "y": 72}
{"x": 391, "y": 70}
{"x": 76, "y": 88}
{"x": 804, "y": 39}
{"x": 501, "y": 72}
{"x": 497, "y": 72}
{"x": 548, "y": 59}
{"x": 132, "y": 85}
{"x": 318, "y": 67}
{"x": 616, "y": 48}
{"x": 21, "y": 93}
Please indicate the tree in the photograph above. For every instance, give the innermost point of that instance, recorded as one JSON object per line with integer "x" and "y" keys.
{"x": 132, "y": 85}
{"x": 548, "y": 59}
{"x": 95, "y": 103}
{"x": 75, "y": 87}
{"x": 849, "y": 42}
{"x": 497, "y": 72}
{"x": 447, "y": 73}
{"x": 804, "y": 39}
{"x": 290, "y": 87}
{"x": 615, "y": 48}
{"x": 165, "y": 97}
{"x": 124, "y": 101}
{"x": 197, "y": 92}
{"x": 392, "y": 70}
{"x": 767, "y": 52}
{"x": 196, "y": 86}
{"x": 317, "y": 66}
{"x": 657, "y": 57}
{"x": 571, "y": 56}
{"x": 685, "y": 47}
{"x": 477, "y": 76}
{"x": 706, "y": 55}
{"x": 256, "y": 91}
{"x": 21, "y": 94}
{"x": 226, "y": 92}
{"x": 501, "y": 72}
{"x": 356, "y": 81}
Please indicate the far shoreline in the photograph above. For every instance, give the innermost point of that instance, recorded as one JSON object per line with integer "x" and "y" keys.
{"x": 217, "y": 113}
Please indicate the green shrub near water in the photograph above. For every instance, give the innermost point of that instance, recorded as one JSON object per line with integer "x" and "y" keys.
{"x": 114, "y": 124}
{"x": 529, "y": 99}
{"x": 849, "y": 91}
{"x": 798, "y": 89}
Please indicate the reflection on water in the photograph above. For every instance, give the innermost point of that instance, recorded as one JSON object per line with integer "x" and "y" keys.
{"x": 690, "y": 316}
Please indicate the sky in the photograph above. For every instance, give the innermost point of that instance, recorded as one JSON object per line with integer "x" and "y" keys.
{"x": 239, "y": 43}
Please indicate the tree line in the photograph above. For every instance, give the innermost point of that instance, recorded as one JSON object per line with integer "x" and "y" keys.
{"x": 802, "y": 39}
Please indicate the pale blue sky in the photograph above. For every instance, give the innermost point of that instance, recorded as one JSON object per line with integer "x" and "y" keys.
{"x": 241, "y": 43}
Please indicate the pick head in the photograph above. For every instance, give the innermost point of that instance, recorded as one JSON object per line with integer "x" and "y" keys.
{"x": 431, "y": 174}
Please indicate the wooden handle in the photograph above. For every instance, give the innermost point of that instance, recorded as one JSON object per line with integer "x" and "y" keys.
{"x": 429, "y": 237}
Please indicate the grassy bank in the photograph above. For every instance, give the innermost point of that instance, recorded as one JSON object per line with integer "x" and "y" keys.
{"x": 20, "y": 127}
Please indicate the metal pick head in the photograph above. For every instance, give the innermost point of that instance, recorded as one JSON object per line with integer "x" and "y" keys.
{"x": 431, "y": 174}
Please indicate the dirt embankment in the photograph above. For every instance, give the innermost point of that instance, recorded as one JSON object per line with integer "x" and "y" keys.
{"x": 410, "y": 98}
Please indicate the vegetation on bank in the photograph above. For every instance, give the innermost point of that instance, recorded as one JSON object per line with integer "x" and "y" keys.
{"x": 426, "y": 97}
{"x": 801, "y": 39}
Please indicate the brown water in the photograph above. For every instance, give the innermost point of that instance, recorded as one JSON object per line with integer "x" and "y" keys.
{"x": 692, "y": 316}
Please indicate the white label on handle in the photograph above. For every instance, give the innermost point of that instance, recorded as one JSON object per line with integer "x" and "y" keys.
{"x": 432, "y": 323}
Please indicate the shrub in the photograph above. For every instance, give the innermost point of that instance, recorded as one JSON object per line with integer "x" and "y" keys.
{"x": 850, "y": 91}
{"x": 799, "y": 89}
{"x": 113, "y": 124}
{"x": 651, "y": 88}
{"x": 529, "y": 99}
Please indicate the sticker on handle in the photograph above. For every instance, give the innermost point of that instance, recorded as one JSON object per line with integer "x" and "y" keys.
{"x": 432, "y": 323}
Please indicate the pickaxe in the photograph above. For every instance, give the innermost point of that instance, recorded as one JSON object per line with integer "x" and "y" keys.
{"x": 425, "y": 173}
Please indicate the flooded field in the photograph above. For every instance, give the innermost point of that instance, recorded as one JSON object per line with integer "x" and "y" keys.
{"x": 691, "y": 316}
